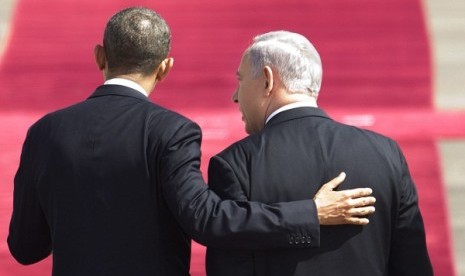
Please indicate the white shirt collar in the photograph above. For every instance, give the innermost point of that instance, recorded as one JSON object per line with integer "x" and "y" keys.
{"x": 127, "y": 83}
{"x": 311, "y": 103}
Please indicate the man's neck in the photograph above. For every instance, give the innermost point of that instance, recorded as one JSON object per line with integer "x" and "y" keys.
{"x": 294, "y": 101}
{"x": 127, "y": 83}
{"x": 146, "y": 82}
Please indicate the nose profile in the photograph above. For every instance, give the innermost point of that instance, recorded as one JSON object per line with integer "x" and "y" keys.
{"x": 234, "y": 97}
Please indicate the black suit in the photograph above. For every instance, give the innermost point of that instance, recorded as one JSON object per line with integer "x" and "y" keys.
{"x": 112, "y": 186}
{"x": 302, "y": 146}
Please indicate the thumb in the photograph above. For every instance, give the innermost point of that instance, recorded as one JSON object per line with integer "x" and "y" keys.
{"x": 335, "y": 182}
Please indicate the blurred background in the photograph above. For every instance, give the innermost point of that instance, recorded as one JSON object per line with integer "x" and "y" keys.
{"x": 396, "y": 67}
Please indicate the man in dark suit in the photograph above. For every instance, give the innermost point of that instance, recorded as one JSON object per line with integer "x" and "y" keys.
{"x": 112, "y": 185}
{"x": 292, "y": 143}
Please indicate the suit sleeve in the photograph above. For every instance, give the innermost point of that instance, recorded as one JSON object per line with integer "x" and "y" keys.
{"x": 409, "y": 253}
{"x": 29, "y": 235}
{"x": 227, "y": 223}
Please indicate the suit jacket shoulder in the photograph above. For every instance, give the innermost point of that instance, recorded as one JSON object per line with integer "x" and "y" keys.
{"x": 228, "y": 170}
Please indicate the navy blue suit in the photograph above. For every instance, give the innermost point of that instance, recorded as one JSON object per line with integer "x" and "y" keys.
{"x": 112, "y": 186}
{"x": 302, "y": 146}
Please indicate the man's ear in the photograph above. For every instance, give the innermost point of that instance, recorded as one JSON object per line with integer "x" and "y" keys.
{"x": 164, "y": 68}
{"x": 269, "y": 80}
{"x": 100, "y": 57}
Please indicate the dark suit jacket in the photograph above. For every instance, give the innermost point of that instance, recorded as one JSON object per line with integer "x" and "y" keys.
{"x": 112, "y": 186}
{"x": 302, "y": 146}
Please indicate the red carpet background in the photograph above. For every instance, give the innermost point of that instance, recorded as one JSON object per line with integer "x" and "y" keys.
{"x": 377, "y": 75}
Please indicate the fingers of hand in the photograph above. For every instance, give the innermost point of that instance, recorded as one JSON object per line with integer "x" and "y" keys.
{"x": 359, "y": 192}
{"x": 362, "y": 201}
{"x": 362, "y": 211}
{"x": 358, "y": 221}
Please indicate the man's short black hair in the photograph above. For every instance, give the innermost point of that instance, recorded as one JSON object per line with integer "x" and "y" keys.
{"x": 136, "y": 40}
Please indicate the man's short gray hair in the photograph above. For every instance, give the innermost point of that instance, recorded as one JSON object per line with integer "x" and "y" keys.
{"x": 292, "y": 56}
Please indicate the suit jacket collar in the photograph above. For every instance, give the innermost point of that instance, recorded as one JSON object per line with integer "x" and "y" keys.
{"x": 117, "y": 90}
{"x": 296, "y": 113}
